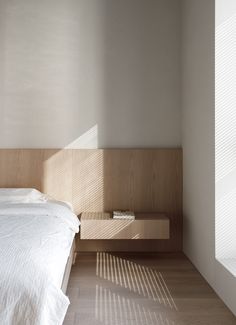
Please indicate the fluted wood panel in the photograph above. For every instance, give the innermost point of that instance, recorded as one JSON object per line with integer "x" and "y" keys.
{"x": 143, "y": 180}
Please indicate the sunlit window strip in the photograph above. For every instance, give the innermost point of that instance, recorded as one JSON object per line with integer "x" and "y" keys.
{"x": 225, "y": 142}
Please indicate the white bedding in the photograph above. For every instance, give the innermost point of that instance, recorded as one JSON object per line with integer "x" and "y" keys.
{"x": 35, "y": 242}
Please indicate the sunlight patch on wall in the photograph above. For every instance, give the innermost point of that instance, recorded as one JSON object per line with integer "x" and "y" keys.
{"x": 88, "y": 140}
{"x": 88, "y": 181}
{"x": 63, "y": 180}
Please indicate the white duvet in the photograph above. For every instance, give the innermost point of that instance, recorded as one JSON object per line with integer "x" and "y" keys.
{"x": 35, "y": 241}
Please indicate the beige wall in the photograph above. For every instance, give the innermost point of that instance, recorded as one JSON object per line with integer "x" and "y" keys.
{"x": 91, "y": 73}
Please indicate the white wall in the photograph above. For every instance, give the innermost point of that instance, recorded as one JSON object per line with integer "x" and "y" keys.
{"x": 90, "y": 73}
{"x": 198, "y": 117}
{"x": 198, "y": 130}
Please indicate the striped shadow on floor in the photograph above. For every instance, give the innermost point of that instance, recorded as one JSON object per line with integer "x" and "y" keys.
{"x": 141, "y": 289}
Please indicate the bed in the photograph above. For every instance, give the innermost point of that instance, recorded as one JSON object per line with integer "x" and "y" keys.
{"x": 36, "y": 253}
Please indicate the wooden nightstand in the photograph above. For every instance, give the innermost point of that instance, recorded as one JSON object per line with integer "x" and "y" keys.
{"x": 101, "y": 225}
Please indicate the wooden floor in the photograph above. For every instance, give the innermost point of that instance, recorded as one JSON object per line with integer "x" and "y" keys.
{"x": 138, "y": 289}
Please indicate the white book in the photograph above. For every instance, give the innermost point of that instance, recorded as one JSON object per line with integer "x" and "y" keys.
{"x": 123, "y": 215}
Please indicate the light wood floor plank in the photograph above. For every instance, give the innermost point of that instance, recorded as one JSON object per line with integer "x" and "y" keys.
{"x": 141, "y": 289}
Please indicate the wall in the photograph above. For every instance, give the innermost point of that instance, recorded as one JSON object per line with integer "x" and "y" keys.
{"x": 87, "y": 73}
{"x": 198, "y": 115}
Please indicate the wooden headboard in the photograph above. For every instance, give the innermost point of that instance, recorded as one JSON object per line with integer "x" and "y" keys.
{"x": 143, "y": 180}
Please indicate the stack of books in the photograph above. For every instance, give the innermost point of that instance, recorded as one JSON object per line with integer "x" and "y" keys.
{"x": 123, "y": 215}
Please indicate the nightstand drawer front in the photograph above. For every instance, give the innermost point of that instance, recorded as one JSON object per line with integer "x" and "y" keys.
{"x": 124, "y": 229}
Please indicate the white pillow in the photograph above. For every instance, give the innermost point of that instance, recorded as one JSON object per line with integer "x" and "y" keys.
{"x": 63, "y": 203}
{"x": 20, "y": 195}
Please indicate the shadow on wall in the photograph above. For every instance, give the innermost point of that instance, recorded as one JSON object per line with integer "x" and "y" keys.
{"x": 71, "y": 65}
{"x": 140, "y": 73}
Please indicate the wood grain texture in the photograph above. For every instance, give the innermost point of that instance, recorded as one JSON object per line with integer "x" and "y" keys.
{"x": 143, "y": 180}
{"x": 141, "y": 289}
{"x": 103, "y": 226}
{"x": 21, "y": 168}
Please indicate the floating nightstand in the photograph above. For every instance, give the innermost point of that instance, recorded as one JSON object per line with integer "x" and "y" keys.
{"x": 101, "y": 225}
